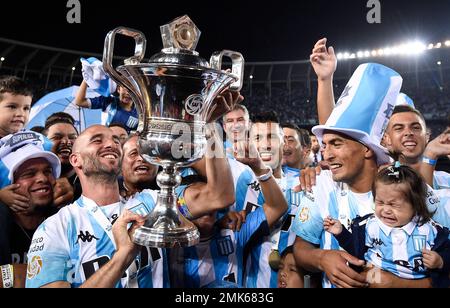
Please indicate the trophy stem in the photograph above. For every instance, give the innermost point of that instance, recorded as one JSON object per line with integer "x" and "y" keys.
{"x": 166, "y": 227}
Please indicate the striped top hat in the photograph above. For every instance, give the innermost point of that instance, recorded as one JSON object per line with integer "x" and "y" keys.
{"x": 365, "y": 107}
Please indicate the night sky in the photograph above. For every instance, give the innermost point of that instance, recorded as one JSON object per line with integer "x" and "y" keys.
{"x": 281, "y": 30}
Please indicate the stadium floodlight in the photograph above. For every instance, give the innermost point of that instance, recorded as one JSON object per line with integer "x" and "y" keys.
{"x": 251, "y": 77}
{"x": 74, "y": 68}
{"x": 438, "y": 45}
{"x": 340, "y": 56}
{"x": 360, "y": 54}
{"x": 447, "y": 43}
{"x": 367, "y": 54}
{"x": 439, "y": 63}
{"x": 374, "y": 53}
{"x": 2, "y": 59}
{"x": 430, "y": 46}
{"x": 346, "y": 55}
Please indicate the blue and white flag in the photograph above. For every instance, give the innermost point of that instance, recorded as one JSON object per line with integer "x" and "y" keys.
{"x": 365, "y": 107}
{"x": 96, "y": 78}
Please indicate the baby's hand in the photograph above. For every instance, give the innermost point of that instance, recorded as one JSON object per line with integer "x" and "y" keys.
{"x": 332, "y": 225}
{"x": 432, "y": 260}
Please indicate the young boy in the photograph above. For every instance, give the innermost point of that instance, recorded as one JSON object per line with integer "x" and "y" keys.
{"x": 15, "y": 104}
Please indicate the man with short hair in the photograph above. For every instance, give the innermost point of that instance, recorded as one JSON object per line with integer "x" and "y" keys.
{"x": 315, "y": 156}
{"x": 236, "y": 125}
{"x": 35, "y": 171}
{"x": 296, "y": 150}
{"x": 137, "y": 174}
{"x": 61, "y": 131}
{"x": 265, "y": 251}
{"x": 120, "y": 130}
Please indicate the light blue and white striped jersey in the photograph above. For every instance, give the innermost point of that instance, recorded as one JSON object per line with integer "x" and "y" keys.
{"x": 258, "y": 271}
{"x": 399, "y": 250}
{"x": 291, "y": 172}
{"x": 72, "y": 245}
{"x": 218, "y": 259}
{"x": 247, "y": 190}
{"x": 441, "y": 180}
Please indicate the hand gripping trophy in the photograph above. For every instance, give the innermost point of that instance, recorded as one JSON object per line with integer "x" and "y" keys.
{"x": 174, "y": 94}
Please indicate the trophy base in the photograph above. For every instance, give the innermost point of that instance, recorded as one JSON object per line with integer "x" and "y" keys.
{"x": 157, "y": 238}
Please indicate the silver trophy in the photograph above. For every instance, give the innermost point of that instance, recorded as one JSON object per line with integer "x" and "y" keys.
{"x": 174, "y": 94}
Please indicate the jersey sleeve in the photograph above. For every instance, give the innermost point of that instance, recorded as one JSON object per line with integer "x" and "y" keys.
{"x": 49, "y": 258}
{"x": 101, "y": 102}
{"x": 256, "y": 222}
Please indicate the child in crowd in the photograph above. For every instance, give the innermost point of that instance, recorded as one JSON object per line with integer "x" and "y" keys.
{"x": 400, "y": 238}
{"x": 291, "y": 276}
{"x": 15, "y": 105}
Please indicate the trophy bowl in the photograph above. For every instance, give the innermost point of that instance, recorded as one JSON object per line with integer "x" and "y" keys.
{"x": 174, "y": 94}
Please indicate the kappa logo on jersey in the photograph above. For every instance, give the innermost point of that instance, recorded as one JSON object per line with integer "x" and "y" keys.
{"x": 86, "y": 237}
{"x": 377, "y": 242}
{"x": 255, "y": 186}
{"x": 225, "y": 246}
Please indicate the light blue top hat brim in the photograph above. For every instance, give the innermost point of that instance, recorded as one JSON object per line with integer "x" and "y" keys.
{"x": 362, "y": 137}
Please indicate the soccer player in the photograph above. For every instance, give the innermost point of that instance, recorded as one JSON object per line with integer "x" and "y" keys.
{"x": 265, "y": 252}
{"x": 35, "y": 171}
{"x": 296, "y": 150}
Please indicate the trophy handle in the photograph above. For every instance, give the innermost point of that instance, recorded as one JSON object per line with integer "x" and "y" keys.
{"x": 237, "y": 66}
{"x": 108, "y": 54}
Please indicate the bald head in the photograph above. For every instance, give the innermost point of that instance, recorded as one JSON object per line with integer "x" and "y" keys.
{"x": 85, "y": 136}
{"x": 97, "y": 152}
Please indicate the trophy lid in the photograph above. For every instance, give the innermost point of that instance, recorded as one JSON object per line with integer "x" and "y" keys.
{"x": 180, "y": 38}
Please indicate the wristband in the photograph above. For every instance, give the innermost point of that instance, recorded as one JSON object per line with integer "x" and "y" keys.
{"x": 7, "y": 276}
{"x": 265, "y": 177}
{"x": 184, "y": 210}
{"x": 429, "y": 161}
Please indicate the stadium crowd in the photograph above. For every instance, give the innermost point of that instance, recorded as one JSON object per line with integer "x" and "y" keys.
{"x": 354, "y": 202}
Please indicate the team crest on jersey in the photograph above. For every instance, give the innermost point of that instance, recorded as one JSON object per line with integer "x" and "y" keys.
{"x": 139, "y": 209}
{"x": 34, "y": 267}
{"x": 304, "y": 215}
{"x": 225, "y": 246}
{"x": 419, "y": 242}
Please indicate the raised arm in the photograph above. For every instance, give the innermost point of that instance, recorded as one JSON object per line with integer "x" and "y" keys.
{"x": 435, "y": 149}
{"x": 80, "y": 99}
{"x": 324, "y": 63}
{"x": 218, "y": 192}
{"x": 275, "y": 205}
